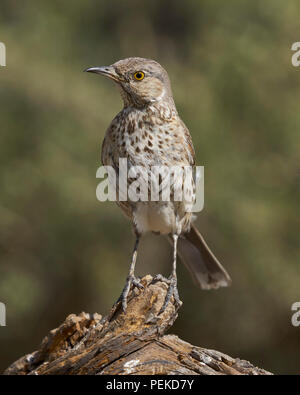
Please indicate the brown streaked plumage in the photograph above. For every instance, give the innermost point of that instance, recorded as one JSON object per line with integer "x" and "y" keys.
{"x": 149, "y": 132}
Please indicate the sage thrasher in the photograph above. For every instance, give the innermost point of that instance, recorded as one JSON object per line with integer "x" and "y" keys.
{"x": 149, "y": 132}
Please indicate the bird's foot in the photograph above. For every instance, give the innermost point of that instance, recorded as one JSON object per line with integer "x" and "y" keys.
{"x": 172, "y": 291}
{"x": 131, "y": 280}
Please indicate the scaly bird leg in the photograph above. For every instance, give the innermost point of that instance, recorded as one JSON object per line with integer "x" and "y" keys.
{"x": 172, "y": 280}
{"x": 131, "y": 279}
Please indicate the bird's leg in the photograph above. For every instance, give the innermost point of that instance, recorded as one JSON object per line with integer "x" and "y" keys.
{"x": 131, "y": 279}
{"x": 172, "y": 280}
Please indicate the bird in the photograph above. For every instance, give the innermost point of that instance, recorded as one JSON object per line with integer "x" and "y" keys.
{"x": 148, "y": 132}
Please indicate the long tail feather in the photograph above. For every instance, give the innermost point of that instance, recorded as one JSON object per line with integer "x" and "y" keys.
{"x": 204, "y": 267}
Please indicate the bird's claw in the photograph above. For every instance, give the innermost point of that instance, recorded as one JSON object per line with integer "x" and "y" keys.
{"x": 172, "y": 291}
{"x": 131, "y": 281}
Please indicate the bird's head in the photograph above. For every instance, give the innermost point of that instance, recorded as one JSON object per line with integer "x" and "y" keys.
{"x": 141, "y": 81}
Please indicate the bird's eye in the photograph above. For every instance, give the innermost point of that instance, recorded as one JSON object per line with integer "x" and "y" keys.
{"x": 139, "y": 75}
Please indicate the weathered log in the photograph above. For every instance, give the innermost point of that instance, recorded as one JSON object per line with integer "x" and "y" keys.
{"x": 131, "y": 343}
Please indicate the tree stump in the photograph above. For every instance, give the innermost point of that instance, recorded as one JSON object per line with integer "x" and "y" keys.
{"x": 131, "y": 343}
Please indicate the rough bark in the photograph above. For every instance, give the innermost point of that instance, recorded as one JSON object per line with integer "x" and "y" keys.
{"x": 131, "y": 343}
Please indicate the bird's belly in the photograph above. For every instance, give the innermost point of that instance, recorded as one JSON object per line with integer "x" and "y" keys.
{"x": 155, "y": 217}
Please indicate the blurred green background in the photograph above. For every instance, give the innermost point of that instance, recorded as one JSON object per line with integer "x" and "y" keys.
{"x": 62, "y": 251}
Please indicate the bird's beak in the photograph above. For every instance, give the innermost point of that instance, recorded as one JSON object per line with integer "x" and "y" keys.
{"x": 107, "y": 71}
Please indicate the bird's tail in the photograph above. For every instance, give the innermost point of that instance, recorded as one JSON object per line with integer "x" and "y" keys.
{"x": 204, "y": 267}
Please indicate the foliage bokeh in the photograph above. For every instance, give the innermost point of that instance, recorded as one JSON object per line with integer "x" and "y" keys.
{"x": 62, "y": 251}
